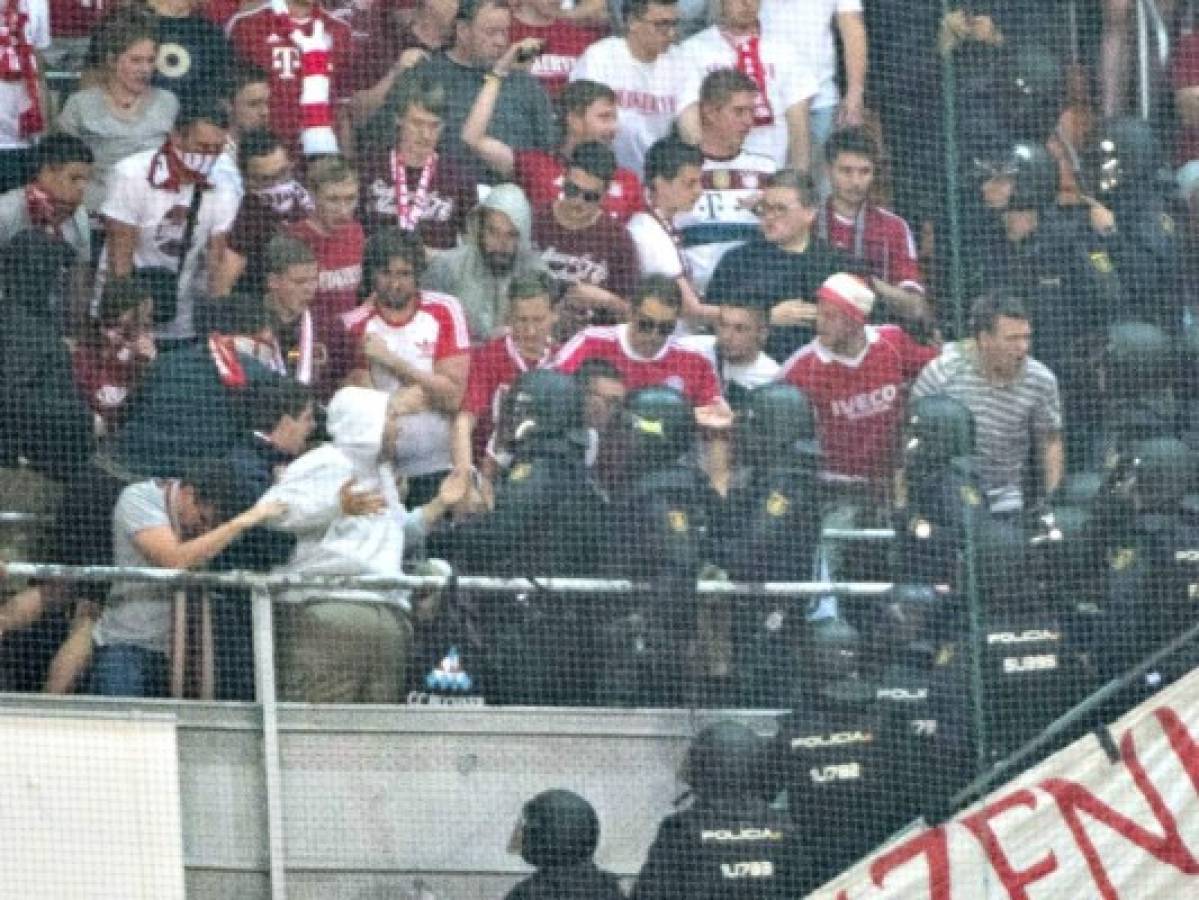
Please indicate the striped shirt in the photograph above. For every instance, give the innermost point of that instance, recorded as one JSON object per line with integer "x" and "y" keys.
{"x": 1006, "y": 416}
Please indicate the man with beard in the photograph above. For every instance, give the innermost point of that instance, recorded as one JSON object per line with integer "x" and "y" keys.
{"x": 410, "y": 342}
{"x": 274, "y": 198}
{"x": 496, "y": 248}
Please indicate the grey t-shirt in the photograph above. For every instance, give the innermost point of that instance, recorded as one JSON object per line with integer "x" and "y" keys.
{"x": 89, "y": 117}
{"x": 138, "y": 614}
{"x": 523, "y": 118}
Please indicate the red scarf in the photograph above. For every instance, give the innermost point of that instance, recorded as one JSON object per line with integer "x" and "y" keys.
{"x": 18, "y": 62}
{"x": 168, "y": 173}
{"x": 43, "y": 211}
{"x": 410, "y": 210}
{"x": 749, "y": 62}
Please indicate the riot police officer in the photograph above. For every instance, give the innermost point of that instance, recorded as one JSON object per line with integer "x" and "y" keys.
{"x": 656, "y": 530}
{"x": 769, "y": 530}
{"x": 836, "y": 755}
{"x": 729, "y": 844}
{"x": 544, "y": 523}
{"x": 557, "y": 834}
{"x": 923, "y": 691}
{"x": 1127, "y": 174}
{"x": 942, "y": 488}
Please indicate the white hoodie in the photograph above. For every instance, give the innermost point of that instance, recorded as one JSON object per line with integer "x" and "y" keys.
{"x": 328, "y": 542}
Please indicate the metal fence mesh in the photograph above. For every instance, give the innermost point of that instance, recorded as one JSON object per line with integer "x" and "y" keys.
{"x": 825, "y": 367}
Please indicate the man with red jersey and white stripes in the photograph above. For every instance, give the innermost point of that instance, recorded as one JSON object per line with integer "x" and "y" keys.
{"x": 646, "y": 353}
{"x": 307, "y": 53}
{"x": 878, "y": 237}
{"x": 414, "y": 343}
{"x": 857, "y": 377}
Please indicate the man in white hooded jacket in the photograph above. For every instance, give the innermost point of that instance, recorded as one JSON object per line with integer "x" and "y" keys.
{"x": 342, "y": 645}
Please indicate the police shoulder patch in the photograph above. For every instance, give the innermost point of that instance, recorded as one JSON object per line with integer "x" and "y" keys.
{"x": 1121, "y": 559}
{"x": 970, "y": 496}
{"x": 777, "y": 504}
{"x": 520, "y": 471}
{"x": 677, "y": 520}
{"x": 1101, "y": 262}
{"x": 1167, "y": 223}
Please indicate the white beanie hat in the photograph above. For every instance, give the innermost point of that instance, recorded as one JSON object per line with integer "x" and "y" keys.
{"x": 849, "y": 293}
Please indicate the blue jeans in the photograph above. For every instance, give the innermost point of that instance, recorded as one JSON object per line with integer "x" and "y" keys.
{"x": 123, "y": 670}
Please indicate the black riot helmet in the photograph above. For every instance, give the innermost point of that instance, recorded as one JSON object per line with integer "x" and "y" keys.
{"x": 776, "y": 423}
{"x": 546, "y": 405}
{"x": 939, "y": 429}
{"x": 1126, "y": 159}
{"x": 558, "y": 828}
{"x": 726, "y": 760}
{"x": 1164, "y": 472}
{"x": 661, "y": 424}
{"x": 1034, "y": 174}
{"x": 1032, "y": 91}
{"x": 1138, "y": 358}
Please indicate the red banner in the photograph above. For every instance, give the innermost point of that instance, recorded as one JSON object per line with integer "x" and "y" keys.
{"x": 1077, "y": 826}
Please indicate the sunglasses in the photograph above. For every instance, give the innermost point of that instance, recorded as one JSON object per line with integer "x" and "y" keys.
{"x": 572, "y": 190}
{"x": 662, "y": 328}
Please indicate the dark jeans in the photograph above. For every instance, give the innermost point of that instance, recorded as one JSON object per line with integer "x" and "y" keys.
{"x": 123, "y": 670}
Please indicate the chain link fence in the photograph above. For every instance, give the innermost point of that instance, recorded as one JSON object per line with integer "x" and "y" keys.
{"x": 820, "y": 369}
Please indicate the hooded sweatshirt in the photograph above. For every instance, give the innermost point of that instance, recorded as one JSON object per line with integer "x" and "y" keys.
{"x": 463, "y": 273}
{"x": 328, "y": 542}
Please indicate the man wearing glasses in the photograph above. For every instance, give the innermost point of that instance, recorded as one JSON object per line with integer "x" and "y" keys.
{"x": 644, "y": 69}
{"x": 590, "y": 257}
{"x": 645, "y": 352}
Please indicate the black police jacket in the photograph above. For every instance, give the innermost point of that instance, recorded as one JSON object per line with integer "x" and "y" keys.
{"x": 584, "y": 881}
{"x": 725, "y": 849}
{"x": 769, "y": 528}
{"x": 544, "y": 521}
{"x": 659, "y": 526}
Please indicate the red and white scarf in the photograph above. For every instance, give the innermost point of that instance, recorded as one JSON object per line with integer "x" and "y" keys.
{"x": 749, "y": 62}
{"x": 410, "y": 209}
{"x": 316, "y": 69}
{"x": 18, "y": 62}
{"x": 224, "y": 349}
{"x": 168, "y": 173}
{"x": 43, "y": 211}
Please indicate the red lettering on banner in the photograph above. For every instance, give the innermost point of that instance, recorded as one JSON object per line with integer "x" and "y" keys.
{"x": 1180, "y": 739}
{"x": 979, "y": 824}
{"x": 1168, "y": 848}
{"x": 934, "y": 846}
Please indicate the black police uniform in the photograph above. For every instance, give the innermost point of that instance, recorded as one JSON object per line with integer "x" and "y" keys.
{"x": 559, "y": 833}
{"x": 729, "y": 844}
{"x": 769, "y": 531}
{"x": 544, "y": 523}
{"x": 656, "y": 529}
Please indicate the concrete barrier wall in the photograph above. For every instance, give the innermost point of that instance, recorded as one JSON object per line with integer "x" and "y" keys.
{"x": 376, "y": 797}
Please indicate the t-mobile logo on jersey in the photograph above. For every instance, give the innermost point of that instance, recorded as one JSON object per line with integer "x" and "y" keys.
{"x": 285, "y": 61}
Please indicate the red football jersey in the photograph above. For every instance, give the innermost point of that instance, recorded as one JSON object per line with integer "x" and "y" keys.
{"x": 562, "y": 43}
{"x": 494, "y": 368}
{"x": 263, "y": 37}
{"x": 76, "y": 18}
{"x": 435, "y": 330}
{"x": 881, "y": 239}
{"x": 859, "y": 402}
{"x": 684, "y": 370}
{"x": 540, "y": 176}
{"x": 339, "y": 265}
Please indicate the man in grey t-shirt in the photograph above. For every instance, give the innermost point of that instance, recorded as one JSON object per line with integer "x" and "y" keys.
{"x": 1014, "y": 399}
{"x": 167, "y": 523}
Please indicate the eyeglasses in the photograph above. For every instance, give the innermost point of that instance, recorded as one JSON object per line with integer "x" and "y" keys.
{"x": 660, "y": 327}
{"x": 572, "y": 190}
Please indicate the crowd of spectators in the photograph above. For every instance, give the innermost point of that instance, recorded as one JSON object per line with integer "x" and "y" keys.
{"x": 252, "y": 227}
